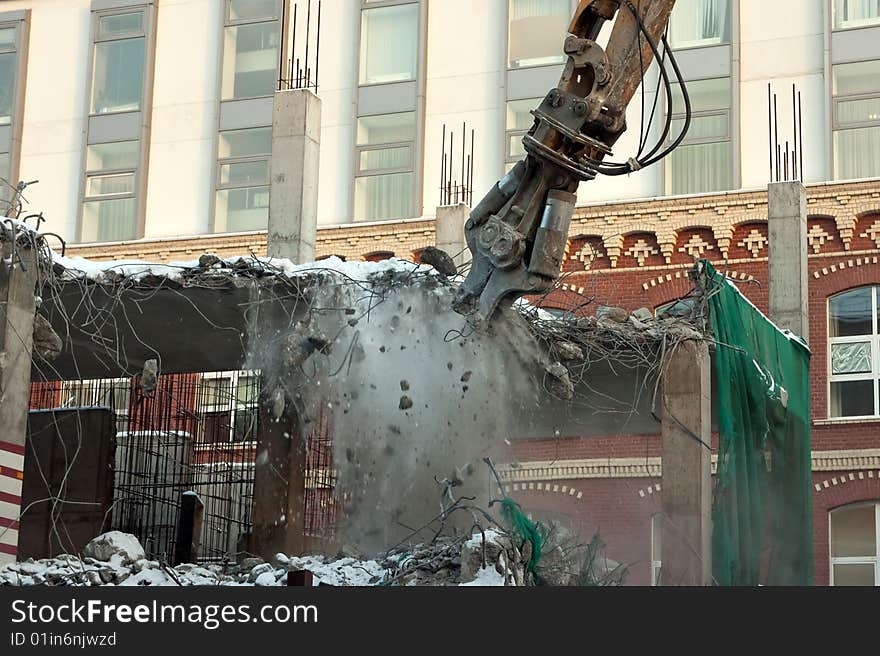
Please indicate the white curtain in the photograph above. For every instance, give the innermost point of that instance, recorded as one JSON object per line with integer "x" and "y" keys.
{"x": 700, "y": 168}
{"x": 849, "y": 13}
{"x": 380, "y": 197}
{"x": 530, "y": 8}
{"x": 389, "y": 44}
{"x": 537, "y": 31}
{"x": 857, "y": 153}
{"x": 700, "y": 22}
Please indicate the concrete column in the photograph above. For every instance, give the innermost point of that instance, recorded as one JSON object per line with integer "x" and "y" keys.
{"x": 293, "y": 194}
{"x": 449, "y": 227}
{"x": 17, "y": 309}
{"x": 787, "y": 226}
{"x": 279, "y": 481}
{"x": 686, "y": 550}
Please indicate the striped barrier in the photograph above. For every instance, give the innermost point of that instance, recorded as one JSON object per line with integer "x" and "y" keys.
{"x": 11, "y": 475}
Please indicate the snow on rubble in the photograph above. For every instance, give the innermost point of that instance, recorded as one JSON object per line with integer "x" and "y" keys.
{"x": 117, "y": 559}
{"x": 95, "y": 271}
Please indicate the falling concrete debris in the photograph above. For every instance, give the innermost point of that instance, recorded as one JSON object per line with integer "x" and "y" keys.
{"x": 440, "y": 260}
{"x": 47, "y": 343}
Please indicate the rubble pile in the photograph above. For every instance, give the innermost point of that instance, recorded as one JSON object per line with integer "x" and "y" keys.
{"x": 117, "y": 559}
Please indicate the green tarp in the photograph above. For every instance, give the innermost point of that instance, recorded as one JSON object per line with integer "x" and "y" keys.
{"x": 762, "y": 506}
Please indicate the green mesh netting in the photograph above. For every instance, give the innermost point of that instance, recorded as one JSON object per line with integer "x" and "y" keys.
{"x": 525, "y": 529}
{"x": 762, "y": 508}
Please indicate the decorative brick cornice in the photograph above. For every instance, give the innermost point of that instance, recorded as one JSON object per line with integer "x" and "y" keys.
{"x": 570, "y": 470}
{"x": 660, "y": 218}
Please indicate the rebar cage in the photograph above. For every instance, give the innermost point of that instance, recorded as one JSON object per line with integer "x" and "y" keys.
{"x": 192, "y": 432}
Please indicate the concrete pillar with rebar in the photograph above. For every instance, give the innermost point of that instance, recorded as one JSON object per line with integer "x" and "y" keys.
{"x": 787, "y": 228}
{"x": 293, "y": 192}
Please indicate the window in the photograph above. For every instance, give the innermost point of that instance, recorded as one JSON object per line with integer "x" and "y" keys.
{"x": 13, "y": 68}
{"x": 537, "y": 31}
{"x": 855, "y": 540}
{"x": 243, "y": 180}
{"x": 389, "y": 43}
{"x": 118, "y": 66}
{"x": 856, "y": 13}
{"x": 519, "y": 122}
{"x": 390, "y": 107}
{"x": 113, "y": 393}
{"x": 856, "y": 89}
{"x": 109, "y": 207}
{"x": 385, "y": 163}
{"x": 251, "y": 41}
{"x": 656, "y": 547}
{"x": 854, "y": 353}
{"x": 703, "y": 161}
{"x": 118, "y": 121}
{"x": 229, "y": 405}
{"x": 696, "y": 23}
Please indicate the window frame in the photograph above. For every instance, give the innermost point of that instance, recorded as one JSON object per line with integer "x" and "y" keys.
{"x": 721, "y": 43}
{"x": 700, "y": 141}
{"x": 873, "y": 339}
{"x": 233, "y": 407}
{"x": 855, "y": 560}
{"x": 572, "y": 6}
{"x": 832, "y": 14}
{"x": 219, "y": 185}
{"x": 510, "y": 134}
{"x": 836, "y": 125}
{"x": 99, "y": 10}
{"x": 416, "y": 144}
{"x": 20, "y": 21}
{"x": 227, "y": 22}
{"x": 100, "y": 387}
{"x": 97, "y": 39}
{"x": 366, "y": 5}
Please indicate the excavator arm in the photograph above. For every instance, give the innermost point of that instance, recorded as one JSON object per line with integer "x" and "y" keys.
{"x": 517, "y": 234}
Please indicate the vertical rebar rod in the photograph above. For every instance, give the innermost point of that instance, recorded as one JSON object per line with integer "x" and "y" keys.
{"x": 443, "y": 165}
{"x": 776, "y": 131}
{"x": 282, "y": 41}
{"x": 451, "y": 160}
{"x": 471, "y": 170}
{"x": 292, "y": 48}
{"x": 801, "y": 134}
{"x": 770, "y": 127}
{"x": 463, "y": 148}
{"x": 794, "y": 124}
{"x": 308, "y": 35}
{"x": 318, "y": 47}
{"x": 785, "y": 160}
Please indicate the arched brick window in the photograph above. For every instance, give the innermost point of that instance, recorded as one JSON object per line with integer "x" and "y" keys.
{"x": 855, "y": 544}
{"x": 378, "y": 256}
{"x": 854, "y": 353}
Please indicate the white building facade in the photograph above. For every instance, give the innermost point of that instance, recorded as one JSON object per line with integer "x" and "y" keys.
{"x": 152, "y": 118}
